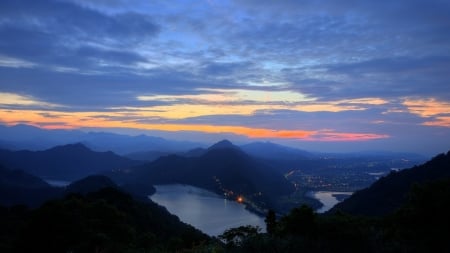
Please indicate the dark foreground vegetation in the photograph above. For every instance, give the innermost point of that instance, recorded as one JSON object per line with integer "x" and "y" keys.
{"x": 111, "y": 221}
{"x": 421, "y": 225}
{"x": 408, "y": 211}
{"x": 104, "y": 221}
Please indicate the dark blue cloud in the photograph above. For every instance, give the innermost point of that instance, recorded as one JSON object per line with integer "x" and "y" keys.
{"x": 225, "y": 68}
{"x": 398, "y": 76}
{"x": 63, "y": 33}
{"x": 74, "y": 20}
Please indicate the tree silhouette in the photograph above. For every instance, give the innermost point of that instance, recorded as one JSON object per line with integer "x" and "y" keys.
{"x": 271, "y": 222}
{"x": 236, "y": 236}
{"x": 300, "y": 221}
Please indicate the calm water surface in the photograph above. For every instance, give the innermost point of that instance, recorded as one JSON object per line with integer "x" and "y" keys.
{"x": 204, "y": 210}
{"x": 57, "y": 183}
{"x": 327, "y": 199}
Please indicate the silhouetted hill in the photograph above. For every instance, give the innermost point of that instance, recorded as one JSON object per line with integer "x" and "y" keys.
{"x": 268, "y": 150}
{"x": 20, "y": 178}
{"x": 390, "y": 192}
{"x": 68, "y": 162}
{"x": 223, "y": 144}
{"x": 107, "y": 220}
{"x": 96, "y": 182}
{"x": 18, "y": 187}
{"x": 224, "y": 168}
{"x": 196, "y": 152}
{"x": 26, "y": 137}
{"x": 90, "y": 184}
{"x": 147, "y": 156}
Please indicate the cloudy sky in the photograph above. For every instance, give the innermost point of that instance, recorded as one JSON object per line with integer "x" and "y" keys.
{"x": 323, "y": 75}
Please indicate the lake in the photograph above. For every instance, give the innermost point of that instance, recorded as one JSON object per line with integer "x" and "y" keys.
{"x": 203, "y": 209}
{"x": 328, "y": 199}
{"x": 57, "y": 183}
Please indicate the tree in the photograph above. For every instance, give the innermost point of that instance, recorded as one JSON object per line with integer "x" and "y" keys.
{"x": 236, "y": 236}
{"x": 300, "y": 221}
{"x": 271, "y": 222}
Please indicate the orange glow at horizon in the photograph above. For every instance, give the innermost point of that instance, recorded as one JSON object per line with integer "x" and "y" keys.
{"x": 333, "y": 136}
{"x": 73, "y": 120}
{"x": 438, "y": 112}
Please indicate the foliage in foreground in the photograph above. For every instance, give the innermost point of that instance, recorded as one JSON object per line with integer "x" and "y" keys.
{"x": 103, "y": 221}
{"x": 111, "y": 221}
{"x": 421, "y": 225}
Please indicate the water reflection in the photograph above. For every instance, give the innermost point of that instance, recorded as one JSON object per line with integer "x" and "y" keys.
{"x": 328, "y": 199}
{"x": 204, "y": 210}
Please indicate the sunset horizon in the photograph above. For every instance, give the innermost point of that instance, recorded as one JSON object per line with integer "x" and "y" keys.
{"x": 321, "y": 76}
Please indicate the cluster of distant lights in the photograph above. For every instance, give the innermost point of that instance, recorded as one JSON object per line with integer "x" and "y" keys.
{"x": 240, "y": 199}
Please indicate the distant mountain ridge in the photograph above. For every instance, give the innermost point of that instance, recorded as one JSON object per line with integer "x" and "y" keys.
{"x": 390, "y": 192}
{"x": 20, "y": 137}
{"x": 269, "y": 150}
{"x": 18, "y": 187}
{"x": 68, "y": 162}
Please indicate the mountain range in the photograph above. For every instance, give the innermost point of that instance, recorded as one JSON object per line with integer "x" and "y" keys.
{"x": 18, "y": 187}
{"x": 68, "y": 162}
{"x": 20, "y": 137}
{"x": 95, "y": 214}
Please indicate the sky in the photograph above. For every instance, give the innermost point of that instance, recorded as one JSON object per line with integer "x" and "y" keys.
{"x": 323, "y": 75}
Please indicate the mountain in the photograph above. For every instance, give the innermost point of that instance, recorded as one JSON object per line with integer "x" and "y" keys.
{"x": 125, "y": 144}
{"x": 223, "y": 144}
{"x": 269, "y": 150}
{"x": 18, "y": 187}
{"x": 20, "y": 179}
{"x": 28, "y": 137}
{"x": 390, "y": 192}
{"x": 224, "y": 168}
{"x": 196, "y": 152}
{"x": 68, "y": 162}
{"x": 90, "y": 184}
{"x": 107, "y": 220}
{"x": 147, "y": 156}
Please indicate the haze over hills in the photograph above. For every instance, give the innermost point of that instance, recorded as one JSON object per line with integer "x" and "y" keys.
{"x": 68, "y": 162}
{"x": 390, "y": 192}
{"x": 20, "y": 137}
{"x": 21, "y": 188}
{"x": 272, "y": 151}
{"x": 18, "y": 187}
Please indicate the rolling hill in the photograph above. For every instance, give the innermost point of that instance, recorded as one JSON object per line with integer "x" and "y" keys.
{"x": 106, "y": 220}
{"x": 68, "y": 162}
{"x": 389, "y": 193}
{"x": 272, "y": 151}
{"x": 18, "y": 187}
{"x": 224, "y": 168}
{"x": 27, "y": 137}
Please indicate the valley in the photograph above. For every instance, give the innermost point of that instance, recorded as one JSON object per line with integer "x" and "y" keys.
{"x": 211, "y": 192}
